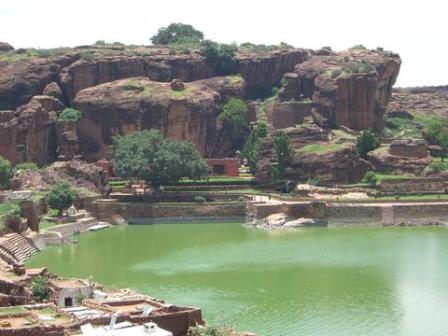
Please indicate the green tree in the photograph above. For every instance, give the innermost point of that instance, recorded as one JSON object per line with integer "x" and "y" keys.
{"x": 5, "y": 173}
{"x": 284, "y": 153}
{"x": 61, "y": 196}
{"x": 156, "y": 160}
{"x": 177, "y": 33}
{"x": 370, "y": 178}
{"x": 437, "y": 129}
{"x": 39, "y": 288}
{"x": 366, "y": 142}
{"x": 234, "y": 117}
{"x": 219, "y": 57}
{"x": 252, "y": 147}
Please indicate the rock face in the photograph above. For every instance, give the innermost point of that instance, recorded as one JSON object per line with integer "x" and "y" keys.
{"x": 28, "y": 134}
{"x": 123, "y": 106}
{"x": 415, "y": 148}
{"x": 227, "y": 86}
{"x": 262, "y": 71}
{"x": 350, "y": 88}
{"x": 53, "y": 90}
{"x": 4, "y": 47}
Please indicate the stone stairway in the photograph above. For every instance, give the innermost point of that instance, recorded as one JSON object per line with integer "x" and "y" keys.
{"x": 17, "y": 248}
{"x": 387, "y": 215}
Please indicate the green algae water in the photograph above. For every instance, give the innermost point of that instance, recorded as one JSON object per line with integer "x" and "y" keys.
{"x": 323, "y": 281}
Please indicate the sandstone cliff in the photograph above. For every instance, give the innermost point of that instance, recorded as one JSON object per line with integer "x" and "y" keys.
{"x": 350, "y": 88}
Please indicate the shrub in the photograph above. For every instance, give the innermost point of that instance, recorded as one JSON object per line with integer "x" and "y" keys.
{"x": 100, "y": 43}
{"x": 70, "y": 114}
{"x": 5, "y": 173}
{"x": 370, "y": 178}
{"x": 437, "y": 167}
{"x": 358, "y": 47}
{"x": 87, "y": 56}
{"x": 336, "y": 73}
{"x": 234, "y": 116}
{"x": 284, "y": 154}
{"x": 61, "y": 196}
{"x": 39, "y": 288}
{"x": 199, "y": 199}
{"x": 437, "y": 129}
{"x": 366, "y": 142}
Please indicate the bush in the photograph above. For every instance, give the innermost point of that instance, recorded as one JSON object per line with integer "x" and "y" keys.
{"x": 87, "y": 56}
{"x": 234, "y": 117}
{"x": 370, "y": 178}
{"x": 70, "y": 114}
{"x": 100, "y": 43}
{"x": 366, "y": 142}
{"x": 200, "y": 199}
{"x": 5, "y": 173}
{"x": 358, "y": 47}
{"x": 39, "y": 288}
{"x": 26, "y": 166}
{"x": 437, "y": 167}
{"x": 61, "y": 196}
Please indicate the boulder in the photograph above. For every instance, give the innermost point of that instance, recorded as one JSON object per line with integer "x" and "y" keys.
{"x": 5, "y": 47}
{"x": 350, "y": 88}
{"x": 277, "y": 219}
{"x": 53, "y": 90}
{"x": 177, "y": 85}
{"x": 123, "y": 106}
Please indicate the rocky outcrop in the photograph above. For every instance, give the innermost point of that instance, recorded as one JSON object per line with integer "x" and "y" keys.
{"x": 5, "y": 47}
{"x": 123, "y": 106}
{"x": 78, "y": 173}
{"x": 383, "y": 161}
{"x": 350, "y": 88}
{"x": 227, "y": 86}
{"x": 53, "y": 90}
{"x": 262, "y": 71}
{"x": 28, "y": 134}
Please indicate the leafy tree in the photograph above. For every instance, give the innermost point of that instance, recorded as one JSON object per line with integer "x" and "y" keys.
{"x": 61, "y": 196}
{"x": 366, "y": 142}
{"x": 177, "y": 33}
{"x": 219, "y": 57}
{"x": 5, "y": 172}
{"x": 39, "y": 288}
{"x": 370, "y": 178}
{"x": 438, "y": 130}
{"x": 252, "y": 148}
{"x": 156, "y": 160}
{"x": 70, "y": 114}
{"x": 284, "y": 153}
{"x": 234, "y": 117}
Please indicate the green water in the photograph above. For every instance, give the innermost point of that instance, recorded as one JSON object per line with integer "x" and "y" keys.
{"x": 325, "y": 281}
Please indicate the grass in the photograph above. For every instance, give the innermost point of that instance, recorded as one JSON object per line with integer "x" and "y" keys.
{"x": 235, "y": 79}
{"x": 321, "y": 148}
{"x": 45, "y": 224}
{"x": 84, "y": 192}
{"x": 407, "y": 128}
{"x": 428, "y": 197}
{"x": 381, "y": 177}
{"x": 12, "y": 310}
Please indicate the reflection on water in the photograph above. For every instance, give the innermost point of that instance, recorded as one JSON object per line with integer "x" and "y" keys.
{"x": 348, "y": 281}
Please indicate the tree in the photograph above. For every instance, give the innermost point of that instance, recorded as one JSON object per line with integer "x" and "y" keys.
{"x": 234, "y": 117}
{"x": 366, "y": 142}
{"x": 5, "y": 173}
{"x": 437, "y": 129}
{"x": 252, "y": 148}
{"x": 219, "y": 57}
{"x": 70, "y": 114}
{"x": 370, "y": 178}
{"x": 177, "y": 33}
{"x": 156, "y": 160}
{"x": 39, "y": 288}
{"x": 284, "y": 153}
{"x": 61, "y": 196}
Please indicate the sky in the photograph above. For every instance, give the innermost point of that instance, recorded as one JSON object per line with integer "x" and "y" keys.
{"x": 417, "y": 30}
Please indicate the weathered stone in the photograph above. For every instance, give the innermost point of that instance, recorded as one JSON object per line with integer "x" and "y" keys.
{"x": 227, "y": 86}
{"x": 177, "y": 85}
{"x": 277, "y": 219}
{"x": 123, "y": 106}
{"x": 415, "y": 148}
{"x": 53, "y": 90}
{"x": 4, "y": 46}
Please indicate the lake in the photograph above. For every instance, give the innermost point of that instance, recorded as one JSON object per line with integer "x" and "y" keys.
{"x": 313, "y": 281}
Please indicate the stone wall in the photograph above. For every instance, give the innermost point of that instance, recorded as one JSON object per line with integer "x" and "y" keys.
{"x": 229, "y": 166}
{"x": 415, "y": 185}
{"x": 409, "y": 148}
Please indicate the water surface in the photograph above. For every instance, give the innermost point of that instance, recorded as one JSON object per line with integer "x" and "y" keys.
{"x": 323, "y": 281}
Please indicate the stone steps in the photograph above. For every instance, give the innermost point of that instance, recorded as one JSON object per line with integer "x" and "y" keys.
{"x": 19, "y": 246}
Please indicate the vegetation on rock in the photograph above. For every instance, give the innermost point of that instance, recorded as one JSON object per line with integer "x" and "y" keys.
{"x": 5, "y": 173}
{"x": 437, "y": 129}
{"x": 61, "y": 196}
{"x": 366, "y": 142}
{"x": 219, "y": 57}
{"x": 234, "y": 117}
{"x": 370, "y": 178}
{"x": 70, "y": 114}
{"x": 147, "y": 155}
{"x": 26, "y": 166}
{"x": 39, "y": 288}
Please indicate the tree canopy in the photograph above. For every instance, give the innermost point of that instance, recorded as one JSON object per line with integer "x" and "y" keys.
{"x": 366, "y": 142}
{"x": 177, "y": 33}
{"x": 219, "y": 57}
{"x": 437, "y": 129}
{"x": 252, "y": 147}
{"x": 284, "y": 153}
{"x": 147, "y": 155}
{"x": 5, "y": 172}
{"x": 61, "y": 196}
